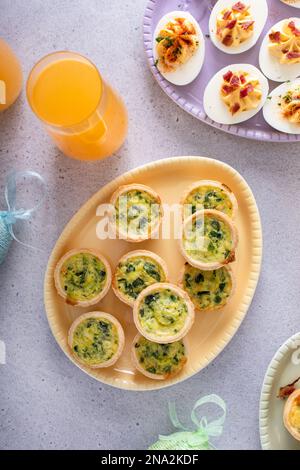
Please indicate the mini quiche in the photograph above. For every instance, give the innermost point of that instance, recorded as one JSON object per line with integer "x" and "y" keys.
{"x": 291, "y": 414}
{"x": 163, "y": 313}
{"x": 82, "y": 277}
{"x": 158, "y": 361}
{"x": 136, "y": 271}
{"x": 137, "y": 212}
{"x": 209, "y": 240}
{"x": 207, "y": 194}
{"x": 96, "y": 339}
{"x": 208, "y": 290}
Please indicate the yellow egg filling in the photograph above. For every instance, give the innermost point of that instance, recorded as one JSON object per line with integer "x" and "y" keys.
{"x": 285, "y": 44}
{"x": 175, "y": 44}
{"x": 294, "y": 416}
{"x": 240, "y": 92}
{"x": 235, "y": 25}
{"x": 290, "y": 105}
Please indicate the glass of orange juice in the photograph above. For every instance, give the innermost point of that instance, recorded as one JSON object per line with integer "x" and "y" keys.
{"x": 85, "y": 117}
{"x": 10, "y": 76}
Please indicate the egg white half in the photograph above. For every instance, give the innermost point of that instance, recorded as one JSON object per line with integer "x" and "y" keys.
{"x": 270, "y": 65}
{"x": 187, "y": 72}
{"x": 259, "y": 11}
{"x": 213, "y": 104}
{"x": 273, "y": 113}
{"x": 292, "y": 3}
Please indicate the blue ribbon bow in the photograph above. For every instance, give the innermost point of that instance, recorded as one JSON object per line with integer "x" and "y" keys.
{"x": 9, "y": 217}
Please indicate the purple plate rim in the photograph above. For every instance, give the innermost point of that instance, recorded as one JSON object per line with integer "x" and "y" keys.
{"x": 167, "y": 87}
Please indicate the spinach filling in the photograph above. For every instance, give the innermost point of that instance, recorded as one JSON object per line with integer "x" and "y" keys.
{"x": 95, "y": 340}
{"x": 207, "y": 289}
{"x": 83, "y": 276}
{"x": 160, "y": 359}
{"x": 208, "y": 239}
{"x": 208, "y": 197}
{"x": 136, "y": 273}
{"x": 163, "y": 313}
{"x": 137, "y": 212}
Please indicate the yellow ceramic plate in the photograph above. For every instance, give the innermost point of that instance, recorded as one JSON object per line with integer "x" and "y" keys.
{"x": 211, "y": 331}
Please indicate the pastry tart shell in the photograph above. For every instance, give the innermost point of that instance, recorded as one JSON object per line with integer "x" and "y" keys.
{"x": 214, "y": 184}
{"x": 211, "y": 265}
{"x": 143, "y": 371}
{"x": 177, "y": 291}
{"x": 98, "y": 315}
{"x": 121, "y": 233}
{"x": 98, "y": 297}
{"x": 217, "y": 307}
{"x": 136, "y": 254}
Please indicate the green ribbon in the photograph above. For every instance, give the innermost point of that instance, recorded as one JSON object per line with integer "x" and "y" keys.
{"x": 193, "y": 440}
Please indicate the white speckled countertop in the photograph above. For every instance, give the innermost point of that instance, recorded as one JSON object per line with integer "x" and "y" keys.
{"x": 46, "y": 402}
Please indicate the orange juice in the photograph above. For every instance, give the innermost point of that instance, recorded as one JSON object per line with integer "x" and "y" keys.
{"x": 83, "y": 114}
{"x": 10, "y": 76}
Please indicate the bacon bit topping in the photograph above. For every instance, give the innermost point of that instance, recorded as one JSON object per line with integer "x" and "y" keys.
{"x": 235, "y": 108}
{"x": 228, "y": 75}
{"x": 247, "y": 25}
{"x": 245, "y": 91}
{"x": 227, "y": 15}
{"x": 287, "y": 390}
{"x": 231, "y": 24}
{"x": 227, "y": 89}
{"x": 235, "y": 81}
{"x": 293, "y": 55}
{"x": 293, "y": 28}
{"x": 243, "y": 79}
{"x": 228, "y": 40}
{"x": 275, "y": 37}
{"x": 239, "y": 6}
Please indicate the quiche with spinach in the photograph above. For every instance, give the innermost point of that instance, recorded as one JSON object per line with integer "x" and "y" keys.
{"x": 136, "y": 271}
{"x": 82, "y": 277}
{"x": 163, "y": 313}
{"x": 137, "y": 212}
{"x": 96, "y": 339}
{"x": 158, "y": 361}
{"x": 207, "y": 194}
{"x": 208, "y": 290}
{"x": 209, "y": 240}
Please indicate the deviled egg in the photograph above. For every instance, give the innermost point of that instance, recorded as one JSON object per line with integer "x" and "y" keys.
{"x": 235, "y": 26}
{"x": 279, "y": 56}
{"x": 282, "y": 108}
{"x": 235, "y": 94}
{"x": 292, "y": 3}
{"x": 178, "y": 47}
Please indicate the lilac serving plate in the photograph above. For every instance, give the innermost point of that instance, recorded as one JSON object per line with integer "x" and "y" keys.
{"x": 190, "y": 97}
